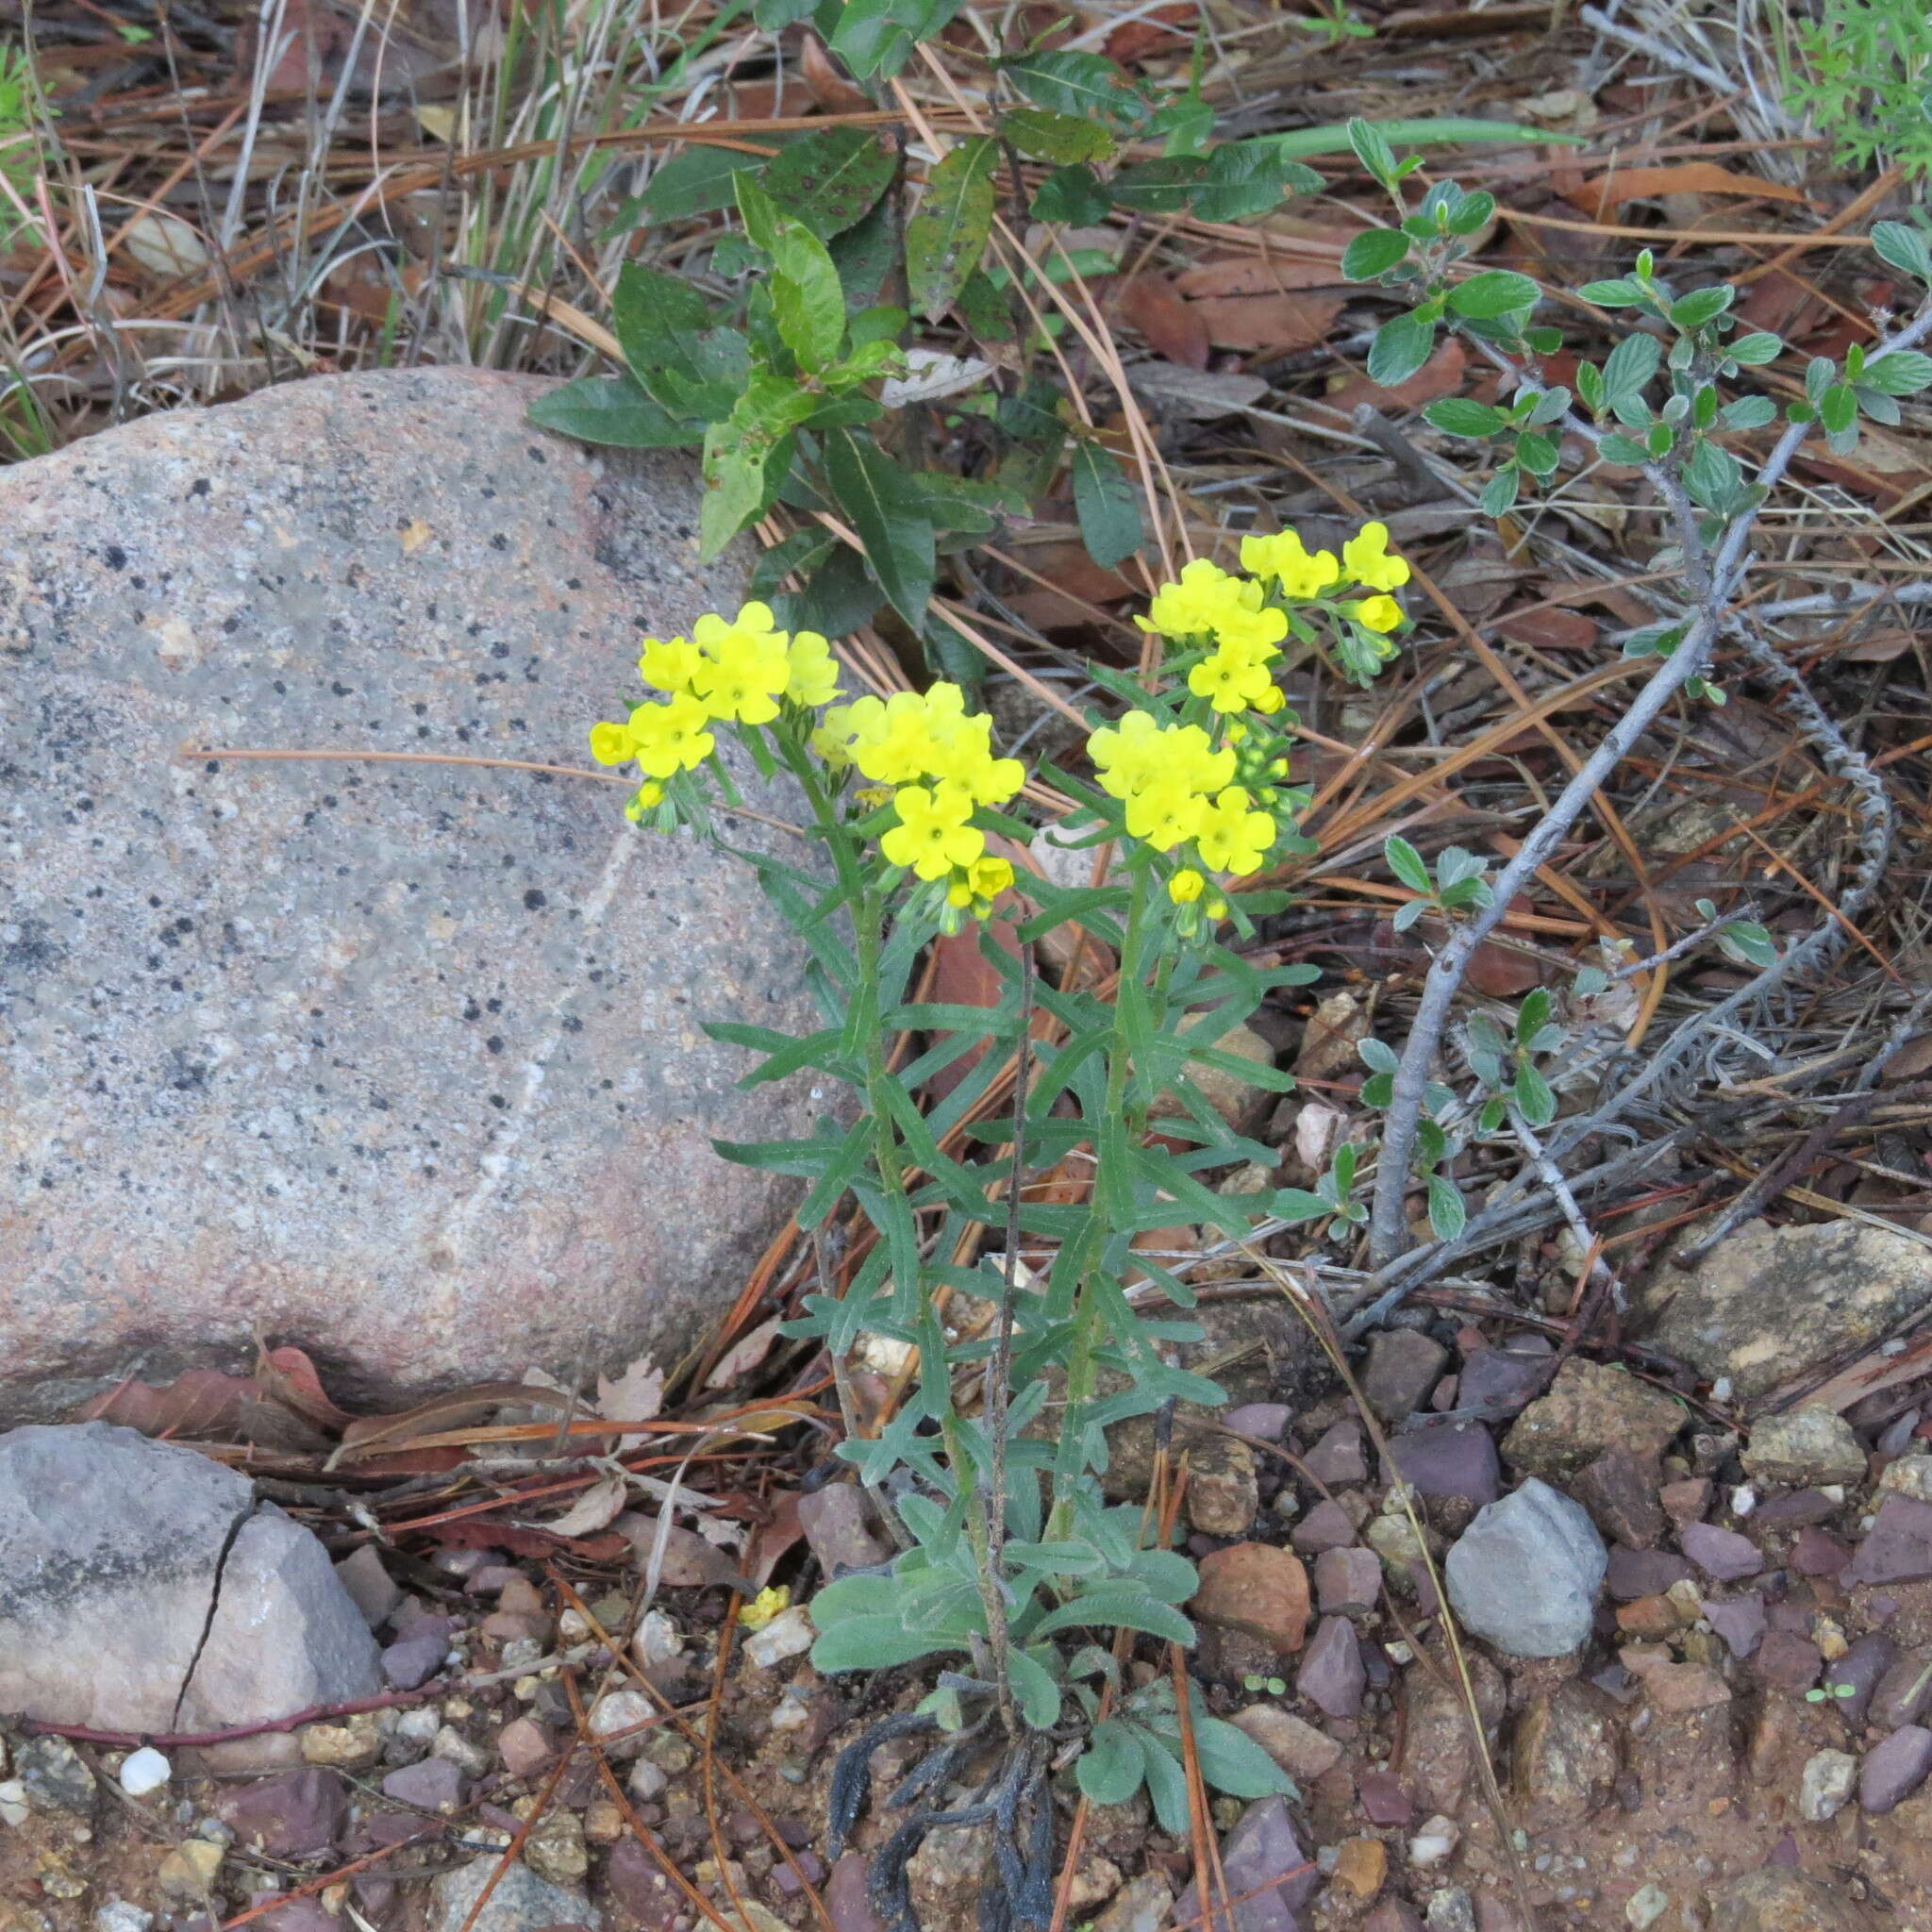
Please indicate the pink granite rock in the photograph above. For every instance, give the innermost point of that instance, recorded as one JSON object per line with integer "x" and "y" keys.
{"x": 402, "y": 1063}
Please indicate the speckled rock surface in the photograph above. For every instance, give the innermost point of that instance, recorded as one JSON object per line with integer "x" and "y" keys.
{"x": 1767, "y": 1304}
{"x": 400, "y": 1063}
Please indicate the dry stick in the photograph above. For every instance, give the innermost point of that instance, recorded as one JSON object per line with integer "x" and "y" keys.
{"x": 1387, "y": 1226}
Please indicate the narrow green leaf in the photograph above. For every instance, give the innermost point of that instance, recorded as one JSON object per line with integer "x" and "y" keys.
{"x": 613, "y": 410}
{"x": 1108, "y": 504}
{"x": 946, "y": 238}
{"x": 873, "y": 491}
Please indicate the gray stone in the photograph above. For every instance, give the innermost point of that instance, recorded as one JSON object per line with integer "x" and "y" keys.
{"x": 1777, "y": 1899}
{"x": 1458, "y": 1460}
{"x": 1813, "y": 1444}
{"x": 1525, "y": 1575}
{"x": 1332, "y": 1675}
{"x": 56, "y": 1777}
{"x": 1767, "y": 1303}
{"x": 1297, "y": 1746}
{"x": 373, "y": 1589}
{"x": 1401, "y": 1369}
{"x": 402, "y": 1061}
{"x": 142, "y": 1588}
{"x": 433, "y": 1784}
{"x": 521, "y": 1902}
{"x": 838, "y": 1528}
{"x": 1826, "y": 1785}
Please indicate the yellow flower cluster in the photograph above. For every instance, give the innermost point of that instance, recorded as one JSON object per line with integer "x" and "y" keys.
{"x": 1178, "y": 787}
{"x": 936, "y": 757}
{"x": 738, "y": 672}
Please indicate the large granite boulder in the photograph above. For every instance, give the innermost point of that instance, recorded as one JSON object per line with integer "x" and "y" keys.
{"x": 143, "y": 1588}
{"x": 399, "y": 1061}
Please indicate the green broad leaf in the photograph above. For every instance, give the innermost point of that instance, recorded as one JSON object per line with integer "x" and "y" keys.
{"x": 865, "y": 256}
{"x": 1407, "y": 864}
{"x": 738, "y": 451}
{"x": 1402, "y": 345}
{"x": 874, "y": 493}
{"x": 1121, "y": 1610}
{"x": 1296, "y": 1204}
{"x": 1086, "y": 85}
{"x": 1495, "y": 291}
{"x": 1072, "y": 196}
{"x": 1621, "y": 293}
{"x": 1537, "y": 453}
{"x": 1499, "y": 497}
{"x": 1162, "y": 187}
{"x": 701, "y": 179}
{"x": 1691, "y": 311}
{"x": 1246, "y": 178}
{"x": 1748, "y": 412}
{"x": 877, "y": 37}
{"x": 1903, "y": 247}
{"x": 1447, "y": 1215}
{"x": 1166, "y": 1783}
{"x": 1838, "y": 407}
{"x": 1713, "y": 475}
{"x": 1231, "y": 1762}
{"x": 1631, "y": 365}
{"x": 1045, "y": 136}
{"x": 1903, "y": 372}
{"x": 1624, "y": 449}
{"x": 1109, "y": 1771}
{"x": 946, "y": 238}
{"x": 651, "y": 311}
{"x": 1534, "y": 1100}
{"x": 1034, "y": 1690}
{"x": 1373, "y": 150}
{"x": 1748, "y": 943}
{"x": 1108, "y": 504}
{"x": 839, "y": 597}
{"x": 809, "y": 306}
{"x": 1460, "y": 416}
{"x": 831, "y": 179}
{"x": 1374, "y": 253}
{"x": 872, "y": 1644}
{"x": 613, "y": 410}
{"x": 1753, "y": 351}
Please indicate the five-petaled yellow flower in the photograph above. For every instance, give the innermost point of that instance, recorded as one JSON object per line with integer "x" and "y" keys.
{"x": 1366, "y": 559}
{"x": 932, "y": 835}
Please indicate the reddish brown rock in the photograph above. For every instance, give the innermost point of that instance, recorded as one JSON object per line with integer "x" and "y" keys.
{"x": 406, "y": 1062}
{"x": 1257, "y": 1589}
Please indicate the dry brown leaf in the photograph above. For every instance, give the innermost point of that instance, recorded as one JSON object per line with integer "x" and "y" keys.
{"x": 689, "y": 1561}
{"x": 597, "y": 1508}
{"x": 827, "y": 86}
{"x": 1550, "y": 629}
{"x": 1172, "y": 326}
{"x": 1880, "y": 647}
{"x": 1683, "y": 178}
{"x": 1280, "y": 272}
{"x": 1501, "y": 973}
{"x": 1068, "y": 567}
{"x": 636, "y": 1396}
{"x": 742, "y": 1356}
{"x": 1165, "y": 30}
{"x": 1270, "y": 325}
{"x": 372, "y": 1433}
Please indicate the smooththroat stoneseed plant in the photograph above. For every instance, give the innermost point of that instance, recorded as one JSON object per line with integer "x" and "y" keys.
{"x": 1014, "y": 1573}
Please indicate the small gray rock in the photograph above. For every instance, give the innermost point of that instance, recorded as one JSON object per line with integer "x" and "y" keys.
{"x": 1525, "y": 1575}
{"x": 110, "y": 1548}
{"x": 1450, "y": 1909}
{"x": 1401, "y": 1369}
{"x": 1826, "y": 1787}
{"x": 521, "y": 1902}
{"x": 1813, "y": 1444}
{"x": 1332, "y": 1675}
{"x": 54, "y": 1776}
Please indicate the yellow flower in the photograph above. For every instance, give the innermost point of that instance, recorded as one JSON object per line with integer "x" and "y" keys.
{"x": 1288, "y": 560}
{"x": 768, "y": 1603}
{"x": 643, "y": 800}
{"x": 1233, "y": 680}
{"x": 743, "y": 669}
{"x": 671, "y": 737}
{"x": 1368, "y": 561}
{"x": 1234, "y": 837}
{"x": 814, "y": 678}
{"x": 932, "y": 835}
{"x": 1164, "y": 815}
{"x": 1136, "y": 753}
{"x": 1379, "y": 614}
{"x": 978, "y": 885}
{"x": 670, "y": 665}
{"x": 610, "y": 743}
{"x": 1186, "y": 886}
{"x": 1271, "y": 700}
{"x": 1208, "y": 602}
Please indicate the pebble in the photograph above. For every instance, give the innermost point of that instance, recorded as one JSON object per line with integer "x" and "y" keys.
{"x": 1863, "y": 1668}
{"x": 789, "y": 1634}
{"x": 1332, "y": 1675}
{"x": 1434, "y": 1844}
{"x": 353, "y": 1744}
{"x": 1326, "y": 1527}
{"x": 1258, "y": 1588}
{"x": 1337, "y": 1460}
{"x": 1267, "y": 1421}
{"x": 1590, "y": 1409}
{"x": 1401, "y": 1369}
{"x": 1633, "y": 1573}
{"x": 1141, "y": 1904}
{"x": 1826, "y": 1785}
{"x": 1457, "y": 1460}
{"x": 1347, "y": 1582}
{"x": 145, "y": 1771}
{"x": 1450, "y": 1909}
{"x": 1677, "y": 1688}
{"x": 1903, "y": 1691}
{"x": 1620, "y": 1491}
{"x": 1794, "y": 1511}
{"x": 1524, "y": 1575}
{"x": 526, "y": 1747}
{"x": 1894, "y": 1768}
{"x": 1686, "y": 1502}
{"x": 1741, "y": 1620}
{"x": 1899, "y": 1546}
{"x": 189, "y": 1871}
{"x": 409, "y": 1663}
{"x": 1297, "y": 1746}
{"x": 1815, "y": 1553}
{"x": 53, "y": 1776}
{"x": 433, "y": 1784}
{"x": 120, "y": 1915}
{"x": 1810, "y": 1445}
{"x": 1722, "y": 1555}
{"x": 294, "y": 1815}
{"x": 619, "y": 1710}
{"x": 1910, "y": 1475}
{"x": 1265, "y": 1867}
{"x": 1786, "y": 1661}
{"x": 522, "y": 1900}
{"x": 1646, "y": 1906}
{"x": 1385, "y": 1799}
{"x": 458, "y": 1748}
{"x": 1361, "y": 1865}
